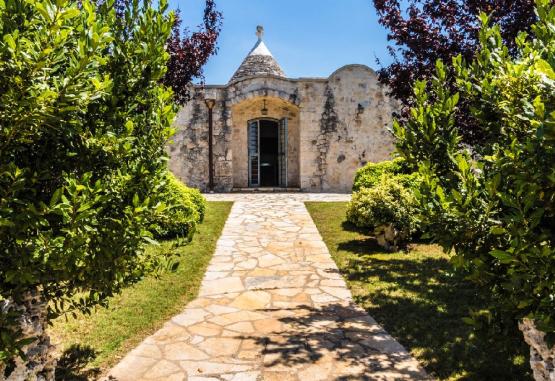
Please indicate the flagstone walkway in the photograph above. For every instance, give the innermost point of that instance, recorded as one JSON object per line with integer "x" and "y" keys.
{"x": 272, "y": 306}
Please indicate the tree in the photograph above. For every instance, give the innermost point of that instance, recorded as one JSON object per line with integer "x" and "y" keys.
{"x": 84, "y": 119}
{"x": 432, "y": 30}
{"x": 494, "y": 208}
{"x": 189, "y": 52}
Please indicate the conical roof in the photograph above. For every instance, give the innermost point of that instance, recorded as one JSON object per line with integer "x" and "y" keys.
{"x": 259, "y": 61}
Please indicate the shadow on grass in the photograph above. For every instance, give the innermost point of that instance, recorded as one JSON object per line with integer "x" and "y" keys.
{"x": 349, "y": 227}
{"x": 364, "y": 246}
{"x": 338, "y": 333}
{"x": 73, "y": 364}
{"x": 422, "y": 302}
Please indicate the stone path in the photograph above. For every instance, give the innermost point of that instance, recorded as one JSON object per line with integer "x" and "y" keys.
{"x": 272, "y": 306}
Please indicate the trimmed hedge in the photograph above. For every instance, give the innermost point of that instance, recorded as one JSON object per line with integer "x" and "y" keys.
{"x": 387, "y": 203}
{"x": 383, "y": 201}
{"x": 184, "y": 210}
{"x": 198, "y": 199}
{"x": 371, "y": 174}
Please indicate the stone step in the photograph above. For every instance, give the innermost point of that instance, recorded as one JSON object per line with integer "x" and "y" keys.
{"x": 266, "y": 190}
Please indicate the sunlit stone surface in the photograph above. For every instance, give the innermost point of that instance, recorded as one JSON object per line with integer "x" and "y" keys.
{"x": 272, "y": 306}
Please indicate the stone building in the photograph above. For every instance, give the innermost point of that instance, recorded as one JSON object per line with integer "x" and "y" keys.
{"x": 267, "y": 130}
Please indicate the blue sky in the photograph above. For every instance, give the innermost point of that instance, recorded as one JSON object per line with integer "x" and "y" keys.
{"x": 309, "y": 38}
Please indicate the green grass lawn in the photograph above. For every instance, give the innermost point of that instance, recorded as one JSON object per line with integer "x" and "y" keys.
{"x": 100, "y": 340}
{"x": 419, "y": 299}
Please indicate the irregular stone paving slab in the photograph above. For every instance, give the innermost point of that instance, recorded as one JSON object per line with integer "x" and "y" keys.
{"x": 272, "y": 306}
{"x": 295, "y": 196}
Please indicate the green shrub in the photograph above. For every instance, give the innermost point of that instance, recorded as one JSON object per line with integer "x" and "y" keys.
{"x": 493, "y": 204}
{"x": 84, "y": 120}
{"x": 184, "y": 209}
{"x": 371, "y": 173}
{"x": 410, "y": 181}
{"x": 199, "y": 201}
{"x": 387, "y": 209}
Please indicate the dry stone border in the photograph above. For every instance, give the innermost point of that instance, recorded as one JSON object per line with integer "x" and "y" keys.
{"x": 272, "y": 306}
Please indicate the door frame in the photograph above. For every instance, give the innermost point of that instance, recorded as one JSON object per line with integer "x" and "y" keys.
{"x": 280, "y": 125}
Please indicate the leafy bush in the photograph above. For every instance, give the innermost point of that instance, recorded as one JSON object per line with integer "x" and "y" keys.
{"x": 83, "y": 124}
{"x": 493, "y": 204}
{"x": 371, "y": 173}
{"x": 184, "y": 209}
{"x": 199, "y": 201}
{"x": 388, "y": 208}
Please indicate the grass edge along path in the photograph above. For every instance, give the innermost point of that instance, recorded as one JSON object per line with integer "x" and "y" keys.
{"x": 421, "y": 301}
{"x": 92, "y": 344}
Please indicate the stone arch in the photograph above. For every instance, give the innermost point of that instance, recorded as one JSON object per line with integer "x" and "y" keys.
{"x": 269, "y": 87}
{"x": 250, "y": 108}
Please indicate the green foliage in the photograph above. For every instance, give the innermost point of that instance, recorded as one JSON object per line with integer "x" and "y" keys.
{"x": 199, "y": 201}
{"x": 83, "y": 124}
{"x": 429, "y": 133}
{"x": 493, "y": 204}
{"x": 384, "y": 201}
{"x": 184, "y": 209}
{"x": 388, "y": 203}
{"x": 371, "y": 173}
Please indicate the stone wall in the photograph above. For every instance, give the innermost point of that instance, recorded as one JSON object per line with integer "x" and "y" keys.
{"x": 188, "y": 149}
{"x": 40, "y": 363}
{"x": 336, "y": 125}
{"x": 542, "y": 358}
{"x": 344, "y": 125}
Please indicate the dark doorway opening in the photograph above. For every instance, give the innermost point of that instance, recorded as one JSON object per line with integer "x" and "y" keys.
{"x": 269, "y": 152}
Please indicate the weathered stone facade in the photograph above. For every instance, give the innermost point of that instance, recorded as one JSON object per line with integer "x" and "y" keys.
{"x": 335, "y": 125}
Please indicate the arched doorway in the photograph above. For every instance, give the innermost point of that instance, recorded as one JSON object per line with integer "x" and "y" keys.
{"x": 267, "y": 152}
{"x": 268, "y": 118}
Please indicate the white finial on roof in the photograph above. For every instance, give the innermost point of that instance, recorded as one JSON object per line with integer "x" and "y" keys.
{"x": 260, "y": 31}
{"x": 260, "y": 48}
